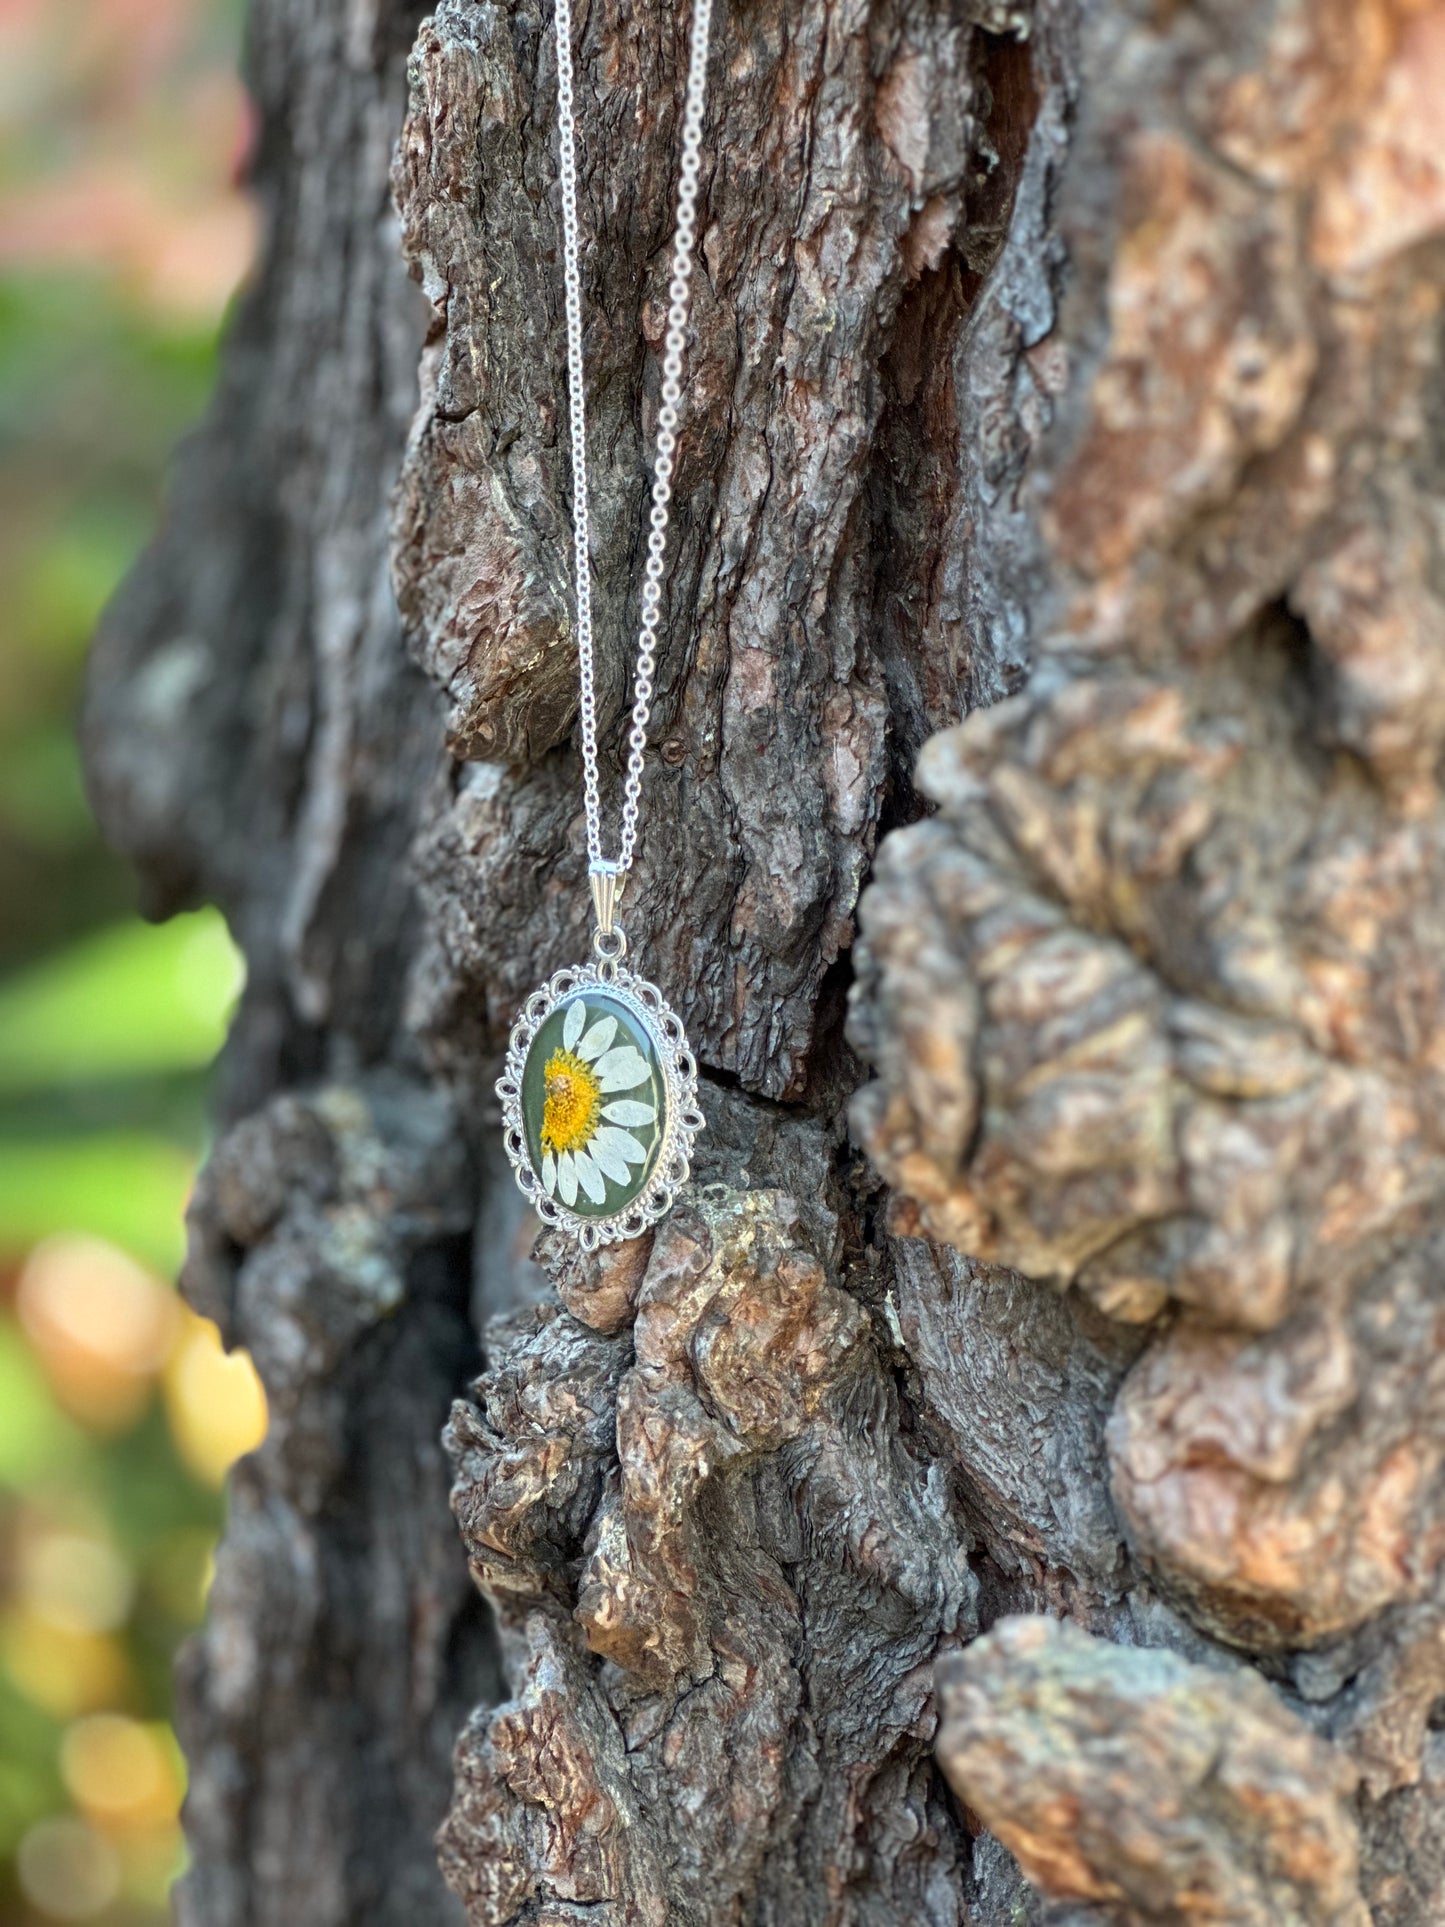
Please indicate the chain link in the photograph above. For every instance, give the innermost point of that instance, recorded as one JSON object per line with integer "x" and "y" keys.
{"x": 674, "y": 342}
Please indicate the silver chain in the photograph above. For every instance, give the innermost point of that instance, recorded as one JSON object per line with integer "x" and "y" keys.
{"x": 679, "y": 294}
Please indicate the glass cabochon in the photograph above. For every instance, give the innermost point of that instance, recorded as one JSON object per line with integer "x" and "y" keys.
{"x": 594, "y": 1104}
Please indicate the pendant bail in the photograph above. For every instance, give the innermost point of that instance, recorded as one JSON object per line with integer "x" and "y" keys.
{"x": 607, "y": 878}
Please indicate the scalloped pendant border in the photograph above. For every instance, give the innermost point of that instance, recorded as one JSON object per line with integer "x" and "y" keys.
{"x": 672, "y": 1164}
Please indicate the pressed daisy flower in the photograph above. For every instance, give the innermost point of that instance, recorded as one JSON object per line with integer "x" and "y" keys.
{"x": 587, "y": 1125}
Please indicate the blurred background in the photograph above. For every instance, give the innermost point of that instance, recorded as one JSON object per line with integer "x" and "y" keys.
{"x": 123, "y": 235}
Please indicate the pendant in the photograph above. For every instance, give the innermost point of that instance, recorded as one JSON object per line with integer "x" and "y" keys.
{"x": 599, "y": 1099}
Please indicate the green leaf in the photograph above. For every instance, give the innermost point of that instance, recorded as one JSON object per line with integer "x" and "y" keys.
{"x": 127, "y": 1188}
{"x": 132, "y": 1000}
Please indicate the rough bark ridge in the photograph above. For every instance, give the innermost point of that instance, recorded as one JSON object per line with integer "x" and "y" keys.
{"x": 1101, "y": 340}
{"x": 1179, "y": 915}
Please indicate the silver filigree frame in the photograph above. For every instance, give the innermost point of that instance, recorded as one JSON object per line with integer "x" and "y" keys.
{"x": 684, "y": 1120}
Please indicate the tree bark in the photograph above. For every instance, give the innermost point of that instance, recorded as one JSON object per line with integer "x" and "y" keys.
{"x": 1008, "y": 1486}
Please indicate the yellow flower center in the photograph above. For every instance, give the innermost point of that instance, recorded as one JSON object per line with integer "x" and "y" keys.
{"x": 574, "y": 1098}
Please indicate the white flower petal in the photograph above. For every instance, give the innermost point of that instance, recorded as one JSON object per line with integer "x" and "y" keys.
{"x": 607, "y": 1161}
{"x": 622, "y": 1069}
{"x": 597, "y": 1039}
{"x": 622, "y": 1144}
{"x": 566, "y": 1177}
{"x": 627, "y": 1110}
{"x": 572, "y": 1023}
{"x": 549, "y": 1174}
{"x": 589, "y": 1177}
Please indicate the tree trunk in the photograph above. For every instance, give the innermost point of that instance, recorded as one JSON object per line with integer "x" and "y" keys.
{"x": 1008, "y": 1486}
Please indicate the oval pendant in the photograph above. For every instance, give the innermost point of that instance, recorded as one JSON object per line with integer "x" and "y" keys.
{"x": 599, "y": 1103}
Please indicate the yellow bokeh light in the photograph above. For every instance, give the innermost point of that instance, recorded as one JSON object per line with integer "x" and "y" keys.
{"x": 214, "y": 1400}
{"x": 67, "y": 1869}
{"x": 152, "y": 1859}
{"x": 65, "y": 1672}
{"x": 73, "y": 1580}
{"x": 122, "y": 1773}
{"x": 100, "y": 1324}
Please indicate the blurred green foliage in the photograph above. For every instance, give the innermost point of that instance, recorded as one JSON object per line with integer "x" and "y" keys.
{"x": 128, "y": 1189}
{"x": 75, "y": 509}
{"x": 121, "y": 235}
{"x": 127, "y": 999}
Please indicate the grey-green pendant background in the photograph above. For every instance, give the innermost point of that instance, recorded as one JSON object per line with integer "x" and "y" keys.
{"x": 630, "y": 1029}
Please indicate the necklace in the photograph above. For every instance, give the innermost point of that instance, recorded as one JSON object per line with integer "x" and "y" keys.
{"x": 599, "y": 1094}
